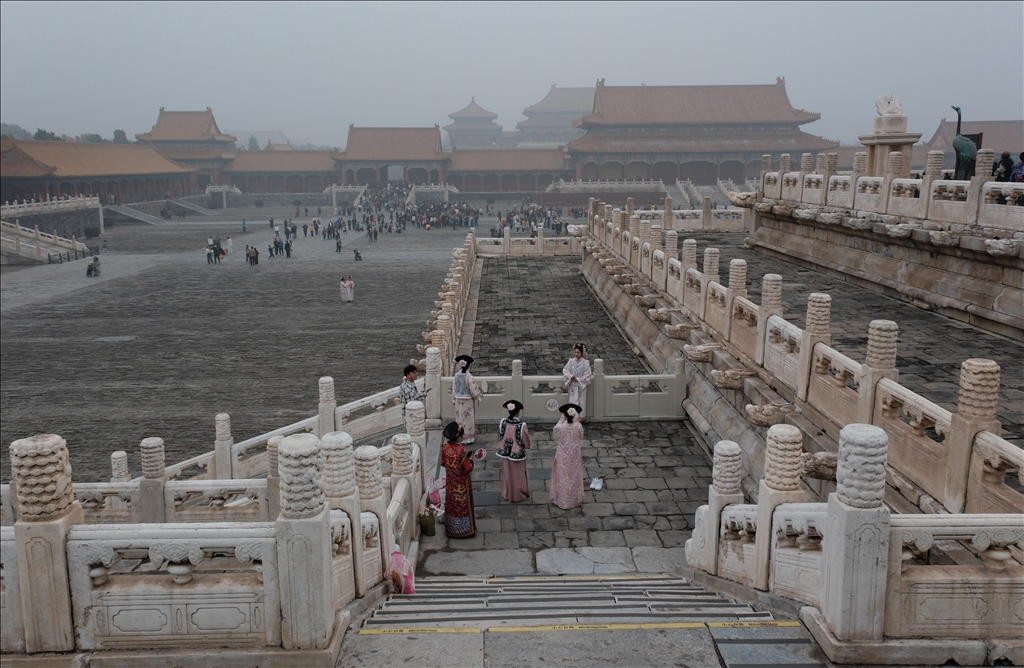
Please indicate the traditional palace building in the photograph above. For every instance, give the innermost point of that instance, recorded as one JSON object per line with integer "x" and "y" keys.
{"x": 192, "y": 138}
{"x": 667, "y": 133}
{"x": 702, "y": 133}
{"x": 114, "y": 172}
{"x": 553, "y": 119}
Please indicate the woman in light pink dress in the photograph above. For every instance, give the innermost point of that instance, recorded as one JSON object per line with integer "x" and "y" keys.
{"x": 567, "y": 469}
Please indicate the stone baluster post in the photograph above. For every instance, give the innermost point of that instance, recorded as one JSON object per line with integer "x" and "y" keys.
{"x": 273, "y": 477}
{"x": 880, "y": 363}
{"x": 342, "y": 493}
{"x": 328, "y": 405}
{"x": 304, "y": 546}
{"x": 806, "y": 163}
{"x": 689, "y": 260}
{"x": 591, "y": 213}
{"x": 784, "y": 164}
{"x": 151, "y": 487}
{"x": 645, "y": 231}
{"x": 596, "y": 391}
{"x": 933, "y": 165}
{"x": 432, "y": 384}
{"x": 983, "y": 164}
{"x": 634, "y": 233}
{"x": 415, "y": 426}
{"x": 448, "y": 309}
{"x": 403, "y": 465}
{"x": 668, "y": 217}
{"x": 771, "y": 304}
{"x": 780, "y": 484}
{"x": 816, "y": 330}
{"x": 222, "y": 447}
{"x": 671, "y": 246}
{"x": 821, "y": 164}
{"x": 515, "y": 387}
{"x": 982, "y": 173}
{"x": 705, "y": 215}
{"x": 46, "y": 512}
{"x": 855, "y": 550}
{"x": 444, "y": 324}
{"x": 710, "y": 273}
{"x": 766, "y": 166}
{"x": 608, "y": 214}
{"x": 506, "y": 240}
{"x": 976, "y": 412}
{"x": 371, "y": 495}
{"x": 737, "y": 288}
{"x": 118, "y": 473}
{"x": 437, "y": 341}
{"x": 702, "y": 548}
{"x": 629, "y": 206}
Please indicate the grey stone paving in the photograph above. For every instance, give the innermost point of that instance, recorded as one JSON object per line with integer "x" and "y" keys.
{"x": 655, "y": 474}
{"x": 185, "y": 340}
{"x": 534, "y": 309}
{"x": 931, "y": 346}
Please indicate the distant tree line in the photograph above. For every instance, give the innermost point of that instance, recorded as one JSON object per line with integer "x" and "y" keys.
{"x": 40, "y": 134}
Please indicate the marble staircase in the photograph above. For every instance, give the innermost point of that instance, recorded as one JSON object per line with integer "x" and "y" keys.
{"x": 536, "y": 600}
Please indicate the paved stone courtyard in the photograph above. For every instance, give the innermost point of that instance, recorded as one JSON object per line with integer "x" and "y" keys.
{"x": 656, "y": 476}
{"x": 534, "y": 309}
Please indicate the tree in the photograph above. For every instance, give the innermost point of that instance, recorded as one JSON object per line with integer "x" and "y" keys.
{"x": 253, "y": 144}
{"x": 120, "y": 137}
{"x": 46, "y": 135}
{"x": 15, "y": 131}
{"x": 91, "y": 138}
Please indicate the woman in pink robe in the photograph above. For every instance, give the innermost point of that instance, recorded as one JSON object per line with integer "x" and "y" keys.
{"x": 513, "y": 442}
{"x": 567, "y": 469}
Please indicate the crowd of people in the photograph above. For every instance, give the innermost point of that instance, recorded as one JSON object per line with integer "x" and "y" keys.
{"x": 566, "y": 480}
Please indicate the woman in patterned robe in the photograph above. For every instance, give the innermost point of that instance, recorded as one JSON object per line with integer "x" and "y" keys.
{"x": 577, "y": 376}
{"x": 459, "y": 520}
{"x": 466, "y": 396}
{"x": 566, "y": 485}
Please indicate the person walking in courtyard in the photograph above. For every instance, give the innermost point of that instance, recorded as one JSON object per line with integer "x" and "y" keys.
{"x": 230, "y": 246}
{"x": 513, "y": 442}
{"x": 577, "y": 375}
{"x": 459, "y": 513}
{"x": 466, "y": 396}
{"x": 567, "y": 468}
{"x": 348, "y": 289}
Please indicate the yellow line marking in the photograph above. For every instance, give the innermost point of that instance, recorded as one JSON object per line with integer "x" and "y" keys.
{"x": 731, "y": 625}
{"x": 382, "y": 632}
{"x": 655, "y": 576}
{"x": 595, "y": 627}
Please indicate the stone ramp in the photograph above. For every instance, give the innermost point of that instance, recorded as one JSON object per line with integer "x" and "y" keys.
{"x": 193, "y": 207}
{"x": 136, "y": 215}
{"x": 631, "y": 620}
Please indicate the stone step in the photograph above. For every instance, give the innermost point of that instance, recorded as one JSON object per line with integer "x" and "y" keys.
{"x": 194, "y": 207}
{"x": 428, "y": 607}
{"x": 514, "y": 600}
{"x": 137, "y": 215}
{"x": 482, "y": 619}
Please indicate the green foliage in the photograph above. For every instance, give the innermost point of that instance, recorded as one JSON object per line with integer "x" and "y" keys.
{"x": 15, "y": 131}
{"x": 46, "y": 135}
{"x": 253, "y": 144}
{"x": 120, "y": 137}
{"x": 91, "y": 138}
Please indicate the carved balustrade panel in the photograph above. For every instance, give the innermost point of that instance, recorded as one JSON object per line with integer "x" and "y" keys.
{"x": 145, "y": 586}
{"x": 674, "y": 280}
{"x": 236, "y": 500}
{"x": 743, "y": 330}
{"x": 948, "y": 201}
{"x": 199, "y": 467}
{"x": 373, "y": 566}
{"x": 249, "y": 457}
{"x": 736, "y": 551}
{"x": 342, "y": 560}
{"x": 692, "y": 291}
{"x": 917, "y": 430}
{"x": 832, "y": 389}
{"x": 839, "y": 193}
{"x": 955, "y": 601}
{"x": 626, "y": 396}
{"x": 868, "y": 195}
{"x": 716, "y": 313}
{"x": 907, "y": 199}
{"x": 108, "y": 502}
{"x": 813, "y": 189}
{"x": 796, "y": 556}
{"x": 993, "y": 459}
{"x": 12, "y": 625}
{"x": 782, "y": 350}
{"x": 998, "y": 207}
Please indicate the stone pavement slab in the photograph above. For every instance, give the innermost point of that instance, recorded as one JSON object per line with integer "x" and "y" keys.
{"x": 408, "y": 650}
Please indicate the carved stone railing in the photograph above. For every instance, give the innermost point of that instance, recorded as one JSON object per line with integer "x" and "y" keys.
{"x": 779, "y": 369}
{"x": 10, "y": 209}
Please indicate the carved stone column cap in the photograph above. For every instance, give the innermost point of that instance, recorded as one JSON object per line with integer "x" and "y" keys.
{"x": 860, "y": 469}
{"x": 771, "y": 292}
{"x": 153, "y": 465}
{"x": 819, "y": 308}
{"x": 402, "y": 455}
{"x": 782, "y": 457}
{"x": 882, "y": 344}
{"x": 710, "y": 262}
{"x": 727, "y": 467}
{"x": 737, "y": 274}
{"x": 979, "y": 388}
{"x": 301, "y": 471}
{"x": 806, "y": 162}
{"x": 326, "y": 389}
{"x": 40, "y": 466}
{"x": 222, "y": 426}
{"x": 368, "y": 475}
{"x": 273, "y": 443}
{"x": 119, "y": 465}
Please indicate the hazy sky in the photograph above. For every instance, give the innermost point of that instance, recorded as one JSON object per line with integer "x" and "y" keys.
{"x": 312, "y": 69}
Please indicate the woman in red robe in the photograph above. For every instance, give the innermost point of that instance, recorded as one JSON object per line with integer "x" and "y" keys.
{"x": 459, "y": 520}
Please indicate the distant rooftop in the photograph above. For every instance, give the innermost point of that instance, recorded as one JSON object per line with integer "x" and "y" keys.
{"x": 185, "y": 126}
